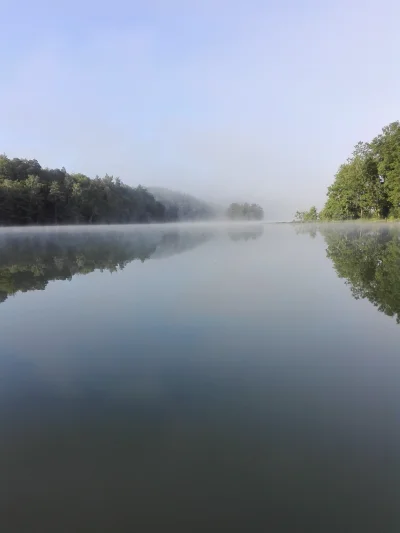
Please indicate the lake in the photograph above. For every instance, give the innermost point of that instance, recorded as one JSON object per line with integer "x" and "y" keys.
{"x": 194, "y": 378}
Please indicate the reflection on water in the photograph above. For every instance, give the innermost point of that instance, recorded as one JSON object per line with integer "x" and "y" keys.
{"x": 222, "y": 379}
{"x": 367, "y": 258}
{"x": 28, "y": 260}
{"x": 246, "y": 234}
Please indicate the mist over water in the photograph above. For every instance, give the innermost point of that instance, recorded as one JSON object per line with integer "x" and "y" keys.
{"x": 200, "y": 377}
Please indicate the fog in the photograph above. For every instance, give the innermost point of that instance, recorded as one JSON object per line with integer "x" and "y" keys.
{"x": 230, "y": 101}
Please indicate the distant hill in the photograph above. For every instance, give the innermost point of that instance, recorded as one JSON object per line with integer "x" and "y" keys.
{"x": 185, "y": 206}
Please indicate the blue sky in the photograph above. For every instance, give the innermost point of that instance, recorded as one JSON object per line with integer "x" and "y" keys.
{"x": 229, "y": 100}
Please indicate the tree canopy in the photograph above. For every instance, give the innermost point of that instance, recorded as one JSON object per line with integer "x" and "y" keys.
{"x": 367, "y": 185}
{"x": 245, "y": 212}
{"x": 307, "y": 216}
{"x": 30, "y": 194}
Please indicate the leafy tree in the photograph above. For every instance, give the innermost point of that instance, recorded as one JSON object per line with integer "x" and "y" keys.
{"x": 34, "y": 198}
{"x": 30, "y": 194}
{"x": 368, "y": 184}
{"x": 307, "y": 216}
{"x": 56, "y": 196}
{"x": 385, "y": 150}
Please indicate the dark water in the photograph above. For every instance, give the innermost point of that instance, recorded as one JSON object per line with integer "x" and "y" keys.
{"x": 193, "y": 379}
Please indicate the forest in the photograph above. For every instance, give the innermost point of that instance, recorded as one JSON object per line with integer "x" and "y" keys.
{"x": 33, "y": 195}
{"x": 367, "y": 185}
{"x": 30, "y": 194}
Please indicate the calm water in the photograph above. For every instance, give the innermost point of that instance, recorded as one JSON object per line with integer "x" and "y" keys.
{"x": 200, "y": 379}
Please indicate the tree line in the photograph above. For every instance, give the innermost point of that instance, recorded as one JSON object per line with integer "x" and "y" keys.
{"x": 367, "y": 185}
{"x": 30, "y": 194}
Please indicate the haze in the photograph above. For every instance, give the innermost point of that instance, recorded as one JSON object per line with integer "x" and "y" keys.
{"x": 227, "y": 100}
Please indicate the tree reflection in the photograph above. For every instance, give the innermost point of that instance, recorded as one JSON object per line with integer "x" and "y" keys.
{"x": 246, "y": 234}
{"x": 28, "y": 261}
{"x": 369, "y": 260}
{"x": 302, "y": 229}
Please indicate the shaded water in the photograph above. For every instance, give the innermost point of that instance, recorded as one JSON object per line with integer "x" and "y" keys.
{"x": 200, "y": 378}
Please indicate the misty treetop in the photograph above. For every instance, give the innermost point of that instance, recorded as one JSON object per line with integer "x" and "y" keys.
{"x": 367, "y": 185}
{"x": 245, "y": 212}
{"x": 30, "y": 194}
{"x": 184, "y": 206}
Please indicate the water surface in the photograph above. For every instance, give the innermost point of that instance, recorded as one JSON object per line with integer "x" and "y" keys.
{"x": 200, "y": 378}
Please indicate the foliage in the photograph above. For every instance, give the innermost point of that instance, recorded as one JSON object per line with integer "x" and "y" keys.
{"x": 30, "y": 194}
{"x": 368, "y": 184}
{"x": 307, "y": 216}
{"x": 245, "y": 212}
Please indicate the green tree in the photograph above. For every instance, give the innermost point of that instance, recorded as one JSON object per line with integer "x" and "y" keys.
{"x": 368, "y": 184}
{"x": 55, "y": 195}
{"x": 35, "y": 198}
{"x": 307, "y": 216}
{"x": 32, "y": 194}
{"x": 385, "y": 150}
